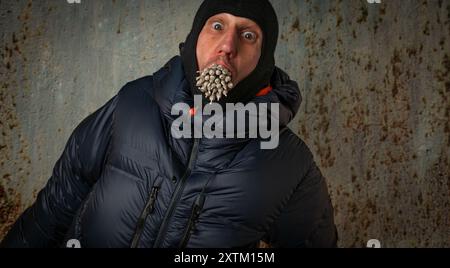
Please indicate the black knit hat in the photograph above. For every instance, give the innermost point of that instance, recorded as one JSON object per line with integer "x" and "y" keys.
{"x": 263, "y": 14}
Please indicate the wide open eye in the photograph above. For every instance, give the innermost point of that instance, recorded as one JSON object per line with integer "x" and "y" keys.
{"x": 249, "y": 36}
{"x": 217, "y": 26}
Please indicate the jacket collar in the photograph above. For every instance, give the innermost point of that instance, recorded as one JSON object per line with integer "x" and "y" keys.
{"x": 171, "y": 87}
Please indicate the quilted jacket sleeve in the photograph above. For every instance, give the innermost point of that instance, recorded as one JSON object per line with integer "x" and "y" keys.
{"x": 44, "y": 223}
{"x": 307, "y": 220}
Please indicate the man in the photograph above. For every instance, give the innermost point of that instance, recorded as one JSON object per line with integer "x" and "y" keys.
{"x": 124, "y": 180}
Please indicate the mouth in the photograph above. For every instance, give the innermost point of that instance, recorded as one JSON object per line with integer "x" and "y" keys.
{"x": 224, "y": 63}
{"x": 227, "y": 66}
{"x": 215, "y": 82}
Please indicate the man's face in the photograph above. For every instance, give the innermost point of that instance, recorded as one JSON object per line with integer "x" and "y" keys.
{"x": 233, "y": 42}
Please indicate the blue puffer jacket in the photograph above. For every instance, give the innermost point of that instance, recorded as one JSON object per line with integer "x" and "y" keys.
{"x": 124, "y": 181}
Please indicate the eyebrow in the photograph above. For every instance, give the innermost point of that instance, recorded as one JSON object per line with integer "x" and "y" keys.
{"x": 212, "y": 19}
{"x": 249, "y": 27}
{"x": 245, "y": 25}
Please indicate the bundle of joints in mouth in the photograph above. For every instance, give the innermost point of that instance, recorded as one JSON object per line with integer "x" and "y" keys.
{"x": 214, "y": 82}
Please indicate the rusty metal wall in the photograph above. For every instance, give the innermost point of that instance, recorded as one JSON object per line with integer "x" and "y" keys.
{"x": 374, "y": 78}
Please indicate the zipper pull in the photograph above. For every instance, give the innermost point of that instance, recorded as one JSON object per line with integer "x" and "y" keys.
{"x": 193, "y": 219}
{"x": 199, "y": 202}
{"x": 148, "y": 209}
{"x": 153, "y": 195}
{"x": 198, "y": 206}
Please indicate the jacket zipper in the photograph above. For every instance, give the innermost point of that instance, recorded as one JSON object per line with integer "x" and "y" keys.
{"x": 177, "y": 194}
{"x": 148, "y": 209}
{"x": 81, "y": 212}
{"x": 196, "y": 210}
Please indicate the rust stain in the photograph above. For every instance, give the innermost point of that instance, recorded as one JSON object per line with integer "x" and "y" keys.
{"x": 364, "y": 14}
{"x": 395, "y": 61}
{"x": 15, "y": 161}
{"x": 10, "y": 209}
{"x": 296, "y": 25}
{"x": 338, "y": 20}
{"x": 426, "y": 29}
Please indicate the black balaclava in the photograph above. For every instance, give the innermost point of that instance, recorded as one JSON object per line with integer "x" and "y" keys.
{"x": 261, "y": 12}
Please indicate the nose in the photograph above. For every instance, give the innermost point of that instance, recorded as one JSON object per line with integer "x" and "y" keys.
{"x": 229, "y": 43}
